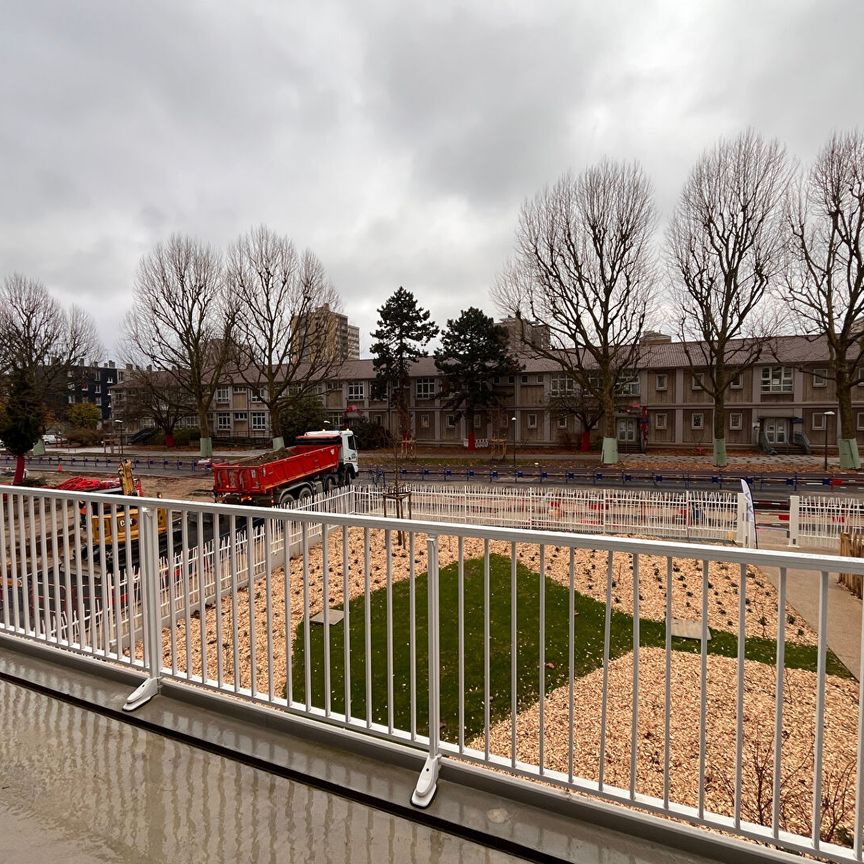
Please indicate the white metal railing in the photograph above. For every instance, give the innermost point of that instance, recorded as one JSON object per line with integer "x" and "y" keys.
{"x": 691, "y": 515}
{"x": 818, "y": 520}
{"x": 557, "y": 650}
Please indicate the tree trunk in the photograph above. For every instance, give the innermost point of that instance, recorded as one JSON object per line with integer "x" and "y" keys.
{"x": 169, "y": 439}
{"x": 278, "y": 441}
{"x": 19, "y": 470}
{"x": 469, "y": 422}
{"x": 719, "y": 432}
{"x": 585, "y": 443}
{"x": 609, "y": 455}
{"x": 847, "y": 439}
{"x": 206, "y": 442}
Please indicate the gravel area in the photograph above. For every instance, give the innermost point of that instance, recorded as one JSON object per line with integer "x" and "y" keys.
{"x": 799, "y": 705}
{"x": 590, "y": 577}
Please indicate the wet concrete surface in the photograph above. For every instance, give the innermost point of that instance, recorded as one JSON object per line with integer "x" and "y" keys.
{"x": 77, "y": 787}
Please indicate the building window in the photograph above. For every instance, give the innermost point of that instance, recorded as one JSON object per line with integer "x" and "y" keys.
{"x": 697, "y": 420}
{"x": 259, "y": 421}
{"x": 70, "y": 400}
{"x": 697, "y": 382}
{"x": 223, "y": 395}
{"x": 451, "y": 421}
{"x": 424, "y": 421}
{"x": 736, "y": 383}
{"x": 562, "y": 422}
{"x": 860, "y": 423}
{"x": 424, "y": 388}
{"x": 356, "y": 391}
{"x": 333, "y": 386}
{"x": 239, "y": 390}
{"x": 223, "y": 422}
{"x": 736, "y": 421}
{"x": 820, "y": 377}
{"x": 524, "y": 379}
{"x": 532, "y": 421}
{"x": 662, "y": 382}
{"x": 561, "y": 385}
{"x": 628, "y": 385}
{"x": 478, "y": 421}
{"x": 777, "y": 379}
{"x": 110, "y": 381}
{"x": 817, "y": 422}
{"x": 256, "y": 396}
{"x": 660, "y": 421}
{"x": 97, "y": 390}
{"x": 240, "y": 416}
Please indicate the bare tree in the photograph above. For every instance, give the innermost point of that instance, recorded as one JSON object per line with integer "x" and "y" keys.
{"x": 148, "y": 397}
{"x": 285, "y": 341}
{"x": 40, "y": 343}
{"x": 182, "y": 322}
{"x": 825, "y": 275}
{"x": 583, "y": 267}
{"x": 725, "y": 250}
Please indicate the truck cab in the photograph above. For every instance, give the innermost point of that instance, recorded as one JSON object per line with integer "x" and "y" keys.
{"x": 349, "y": 465}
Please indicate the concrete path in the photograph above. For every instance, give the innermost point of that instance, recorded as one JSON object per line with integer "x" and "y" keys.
{"x": 802, "y": 592}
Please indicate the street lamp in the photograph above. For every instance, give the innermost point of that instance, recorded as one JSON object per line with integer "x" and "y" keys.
{"x": 120, "y": 432}
{"x": 513, "y": 420}
{"x": 826, "y": 415}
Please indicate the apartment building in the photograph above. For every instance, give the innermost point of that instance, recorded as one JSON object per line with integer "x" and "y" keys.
{"x": 325, "y": 333}
{"x": 91, "y": 383}
{"x": 780, "y": 403}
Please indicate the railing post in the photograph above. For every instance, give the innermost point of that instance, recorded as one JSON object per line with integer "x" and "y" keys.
{"x": 794, "y": 519}
{"x": 427, "y": 782}
{"x": 151, "y": 608}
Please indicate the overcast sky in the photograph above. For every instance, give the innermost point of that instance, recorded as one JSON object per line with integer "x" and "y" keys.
{"x": 396, "y": 142}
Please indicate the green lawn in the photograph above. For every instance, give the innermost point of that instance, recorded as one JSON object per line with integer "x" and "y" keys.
{"x": 588, "y": 629}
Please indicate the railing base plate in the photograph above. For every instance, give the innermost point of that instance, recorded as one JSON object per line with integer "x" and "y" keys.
{"x": 142, "y": 694}
{"x": 427, "y": 783}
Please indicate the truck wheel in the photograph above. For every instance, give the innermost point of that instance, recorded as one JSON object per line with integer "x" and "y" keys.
{"x": 304, "y": 495}
{"x": 286, "y": 498}
{"x": 328, "y": 484}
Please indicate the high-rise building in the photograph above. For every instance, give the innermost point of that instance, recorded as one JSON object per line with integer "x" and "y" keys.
{"x": 325, "y": 333}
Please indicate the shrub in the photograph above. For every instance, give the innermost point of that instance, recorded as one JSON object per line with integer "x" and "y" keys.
{"x": 84, "y": 437}
{"x": 371, "y": 436}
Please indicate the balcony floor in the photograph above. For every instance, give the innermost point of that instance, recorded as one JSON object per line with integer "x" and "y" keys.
{"x": 79, "y": 786}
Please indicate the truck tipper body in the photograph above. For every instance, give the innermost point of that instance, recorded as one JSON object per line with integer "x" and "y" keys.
{"x": 317, "y": 462}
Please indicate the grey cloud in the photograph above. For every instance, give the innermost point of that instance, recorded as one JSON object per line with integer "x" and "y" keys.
{"x": 397, "y": 141}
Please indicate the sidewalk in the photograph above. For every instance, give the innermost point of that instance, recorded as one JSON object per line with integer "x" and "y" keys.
{"x": 802, "y": 593}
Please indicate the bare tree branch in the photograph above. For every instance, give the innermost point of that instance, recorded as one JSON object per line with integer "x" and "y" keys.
{"x": 584, "y": 269}
{"x": 825, "y": 267}
{"x": 285, "y": 347}
{"x": 725, "y": 248}
{"x": 182, "y": 322}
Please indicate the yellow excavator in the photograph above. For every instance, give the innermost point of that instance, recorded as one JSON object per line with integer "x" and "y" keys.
{"x": 127, "y": 518}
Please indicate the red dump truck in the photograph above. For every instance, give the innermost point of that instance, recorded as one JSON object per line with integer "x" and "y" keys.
{"x": 317, "y": 462}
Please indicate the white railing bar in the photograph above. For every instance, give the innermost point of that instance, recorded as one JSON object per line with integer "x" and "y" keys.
{"x": 460, "y": 619}
{"x": 729, "y": 554}
{"x": 346, "y": 618}
{"x": 820, "y": 708}
{"x": 325, "y": 615}
{"x": 541, "y": 683}
{"x": 571, "y": 673}
{"x": 778, "y": 702}
{"x": 607, "y": 636}
{"x": 667, "y": 690}
{"x": 634, "y": 725}
{"x": 388, "y": 544}
{"x": 367, "y": 612}
{"x": 739, "y": 719}
{"x": 486, "y": 648}
{"x": 268, "y": 594}
{"x": 703, "y": 688}
{"x": 514, "y": 637}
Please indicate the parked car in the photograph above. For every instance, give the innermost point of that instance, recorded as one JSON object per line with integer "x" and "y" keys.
{"x": 51, "y": 439}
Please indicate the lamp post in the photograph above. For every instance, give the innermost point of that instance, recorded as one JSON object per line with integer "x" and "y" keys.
{"x": 120, "y": 433}
{"x": 826, "y": 415}
{"x": 513, "y": 420}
